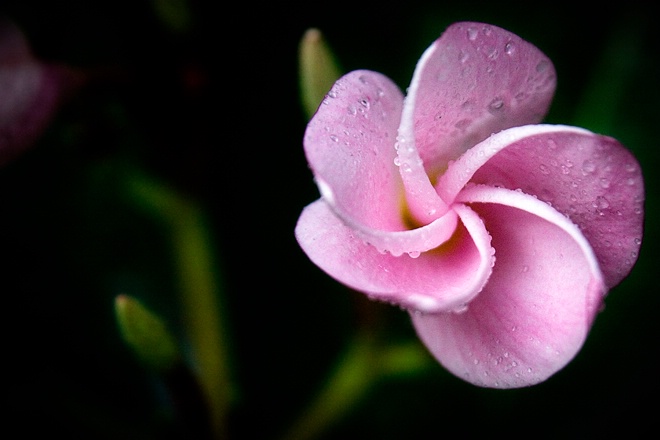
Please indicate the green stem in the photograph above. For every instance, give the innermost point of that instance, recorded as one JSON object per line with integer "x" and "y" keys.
{"x": 349, "y": 382}
{"x": 357, "y": 371}
{"x": 200, "y": 292}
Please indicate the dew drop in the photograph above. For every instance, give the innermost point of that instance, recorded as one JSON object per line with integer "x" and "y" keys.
{"x": 601, "y": 203}
{"x": 462, "y": 308}
{"x": 496, "y": 105}
{"x": 468, "y": 106}
{"x": 588, "y": 167}
{"x": 520, "y": 96}
{"x": 364, "y": 102}
{"x": 414, "y": 254}
{"x": 397, "y": 161}
{"x": 542, "y": 66}
{"x": 334, "y": 138}
{"x": 509, "y": 48}
{"x": 332, "y": 94}
{"x": 472, "y": 34}
{"x": 463, "y": 56}
{"x": 463, "y": 124}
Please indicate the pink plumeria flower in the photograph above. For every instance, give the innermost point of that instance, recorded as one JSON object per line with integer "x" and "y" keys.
{"x": 500, "y": 235}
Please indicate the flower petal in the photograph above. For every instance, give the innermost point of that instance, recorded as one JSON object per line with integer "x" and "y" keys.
{"x": 592, "y": 179}
{"x": 538, "y": 306}
{"x": 476, "y": 79}
{"x": 349, "y": 145}
{"x": 440, "y": 280}
{"x": 30, "y": 92}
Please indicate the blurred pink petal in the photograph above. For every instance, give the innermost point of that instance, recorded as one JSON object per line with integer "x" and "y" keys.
{"x": 500, "y": 237}
{"x": 30, "y": 92}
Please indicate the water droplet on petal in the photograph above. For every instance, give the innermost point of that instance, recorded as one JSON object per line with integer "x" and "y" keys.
{"x": 601, "y": 203}
{"x": 588, "y": 167}
{"x": 509, "y": 48}
{"x": 463, "y": 56}
{"x": 542, "y": 66}
{"x": 472, "y": 34}
{"x": 414, "y": 254}
{"x": 460, "y": 309}
{"x": 463, "y": 124}
{"x": 496, "y": 105}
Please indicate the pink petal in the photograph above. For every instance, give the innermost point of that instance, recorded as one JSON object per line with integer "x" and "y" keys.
{"x": 592, "y": 179}
{"x": 476, "y": 79}
{"x": 538, "y": 306}
{"x": 30, "y": 92}
{"x": 443, "y": 279}
{"x": 349, "y": 145}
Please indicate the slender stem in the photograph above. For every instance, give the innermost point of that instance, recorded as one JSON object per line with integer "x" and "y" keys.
{"x": 358, "y": 369}
{"x": 200, "y": 291}
{"x": 345, "y": 387}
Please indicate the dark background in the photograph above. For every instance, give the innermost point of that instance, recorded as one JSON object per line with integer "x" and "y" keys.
{"x": 215, "y": 112}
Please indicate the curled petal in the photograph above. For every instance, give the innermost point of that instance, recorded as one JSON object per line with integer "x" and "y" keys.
{"x": 476, "y": 79}
{"x": 349, "y": 145}
{"x": 591, "y": 179}
{"x": 538, "y": 306}
{"x": 439, "y": 280}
